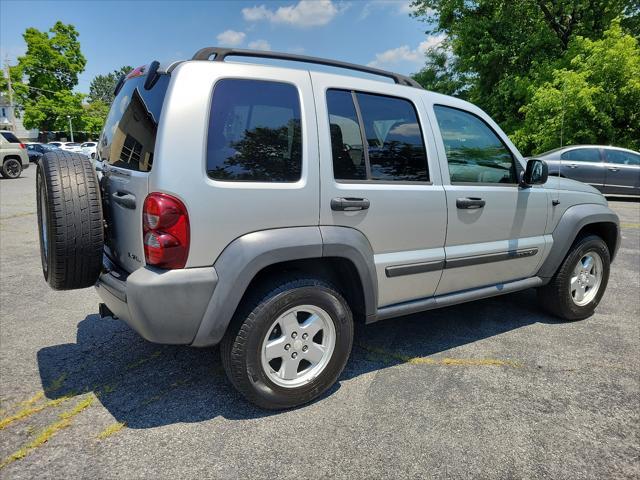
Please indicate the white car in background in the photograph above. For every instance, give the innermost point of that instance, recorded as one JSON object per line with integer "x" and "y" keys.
{"x": 89, "y": 149}
{"x": 68, "y": 146}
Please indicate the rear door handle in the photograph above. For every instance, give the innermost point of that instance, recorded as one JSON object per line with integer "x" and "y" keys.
{"x": 126, "y": 199}
{"x": 573, "y": 165}
{"x": 613, "y": 169}
{"x": 470, "y": 203}
{"x": 349, "y": 204}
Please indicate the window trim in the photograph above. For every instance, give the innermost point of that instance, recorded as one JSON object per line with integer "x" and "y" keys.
{"x": 365, "y": 143}
{"x": 518, "y": 167}
{"x": 248, "y": 183}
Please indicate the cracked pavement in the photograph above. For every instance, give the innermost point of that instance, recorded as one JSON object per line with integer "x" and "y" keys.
{"x": 490, "y": 389}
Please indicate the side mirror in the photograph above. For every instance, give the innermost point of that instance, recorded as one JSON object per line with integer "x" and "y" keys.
{"x": 536, "y": 173}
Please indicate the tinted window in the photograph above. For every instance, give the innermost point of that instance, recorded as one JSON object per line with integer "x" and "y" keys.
{"x": 129, "y": 136}
{"x": 396, "y": 149}
{"x": 394, "y": 146}
{"x": 475, "y": 153}
{"x": 582, "y": 155}
{"x": 622, "y": 158}
{"x": 254, "y": 132}
{"x": 10, "y": 137}
{"x": 346, "y": 140}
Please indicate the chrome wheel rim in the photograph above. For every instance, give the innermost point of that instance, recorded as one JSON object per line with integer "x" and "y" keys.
{"x": 586, "y": 278}
{"x": 298, "y": 346}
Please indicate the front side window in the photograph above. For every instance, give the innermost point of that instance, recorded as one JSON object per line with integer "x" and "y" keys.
{"x": 591, "y": 155}
{"x": 621, "y": 157}
{"x": 254, "y": 132}
{"x": 475, "y": 154}
{"x": 388, "y": 147}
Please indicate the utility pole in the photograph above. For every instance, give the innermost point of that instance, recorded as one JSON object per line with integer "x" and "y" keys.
{"x": 11, "y": 106}
{"x": 70, "y": 127}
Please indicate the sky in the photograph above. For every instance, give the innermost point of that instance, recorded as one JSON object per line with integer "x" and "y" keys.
{"x": 115, "y": 33}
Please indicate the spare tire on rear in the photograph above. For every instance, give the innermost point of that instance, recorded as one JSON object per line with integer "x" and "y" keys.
{"x": 70, "y": 221}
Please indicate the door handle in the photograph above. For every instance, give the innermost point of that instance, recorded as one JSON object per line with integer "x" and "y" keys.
{"x": 573, "y": 165}
{"x": 613, "y": 169}
{"x": 127, "y": 200}
{"x": 349, "y": 204}
{"x": 470, "y": 203}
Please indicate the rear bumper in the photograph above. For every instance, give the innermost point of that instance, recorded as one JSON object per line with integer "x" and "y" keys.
{"x": 163, "y": 306}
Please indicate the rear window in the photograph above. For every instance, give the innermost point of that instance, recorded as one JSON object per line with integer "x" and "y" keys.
{"x": 10, "y": 137}
{"x": 254, "y": 132}
{"x": 129, "y": 136}
{"x": 582, "y": 155}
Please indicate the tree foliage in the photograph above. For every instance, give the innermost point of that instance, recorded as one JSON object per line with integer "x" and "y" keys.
{"x": 499, "y": 52}
{"x": 102, "y": 86}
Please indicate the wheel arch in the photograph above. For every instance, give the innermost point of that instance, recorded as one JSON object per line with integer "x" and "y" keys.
{"x": 577, "y": 222}
{"x": 341, "y": 255}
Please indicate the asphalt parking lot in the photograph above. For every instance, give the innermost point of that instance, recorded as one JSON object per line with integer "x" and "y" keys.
{"x": 491, "y": 389}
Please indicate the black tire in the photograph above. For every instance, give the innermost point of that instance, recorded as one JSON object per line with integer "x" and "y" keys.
{"x": 241, "y": 347}
{"x": 11, "y": 168}
{"x": 70, "y": 224}
{"x": 556, "y": 296}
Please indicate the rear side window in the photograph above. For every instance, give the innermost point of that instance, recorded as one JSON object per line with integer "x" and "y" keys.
{"x": 383, "y": 143}
{"x": 582, "y": 155}
{"x": 10, "y": 137}
{"x": 621, "y": 157}
{"x": 475, "y": 153}
{"x": 129, "y": 136}
{"x": 254, "y": 132}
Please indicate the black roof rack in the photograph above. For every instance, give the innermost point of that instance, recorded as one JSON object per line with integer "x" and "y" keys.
{"x": 221, "y": 53}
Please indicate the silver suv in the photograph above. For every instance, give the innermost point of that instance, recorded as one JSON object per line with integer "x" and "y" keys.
{"x": 267, "y": 209}
{"x": 13, "y": 155}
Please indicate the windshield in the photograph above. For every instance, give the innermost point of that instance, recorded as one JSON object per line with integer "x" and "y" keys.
{"x": 129, "y": 135}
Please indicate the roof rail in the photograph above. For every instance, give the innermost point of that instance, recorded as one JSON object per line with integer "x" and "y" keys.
{"x": 221, "y": 53}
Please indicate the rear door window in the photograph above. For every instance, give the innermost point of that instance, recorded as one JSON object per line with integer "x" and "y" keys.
{"x": 254, "y": 132}
{"x": 10, "y": 137}
{"x": 591, "y": 155}
{"x": 129, "y": 136}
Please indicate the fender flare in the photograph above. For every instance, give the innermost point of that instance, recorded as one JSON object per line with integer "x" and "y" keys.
{"x": 246, "y": 256}
{"x": 565, "y": 233}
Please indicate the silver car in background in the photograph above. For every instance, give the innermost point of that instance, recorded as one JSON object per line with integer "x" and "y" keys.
{"x": 612, "y": 170}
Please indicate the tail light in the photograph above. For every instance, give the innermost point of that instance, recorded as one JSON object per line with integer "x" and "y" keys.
{"x": 23, "y": 146}
{"x": 165, "y": 226}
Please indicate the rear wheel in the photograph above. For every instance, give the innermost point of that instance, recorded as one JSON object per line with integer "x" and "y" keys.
{"x": 289, "y": 343}
{"x": 579, "y": 284}
{"x": 11, "y": 168}
{"x": 70, "y": 224}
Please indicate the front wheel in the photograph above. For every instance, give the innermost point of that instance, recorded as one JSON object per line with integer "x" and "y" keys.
{"x": 289, "y": 343}
{"x": 579, "y": 284}
{"x": 11, "y": 168}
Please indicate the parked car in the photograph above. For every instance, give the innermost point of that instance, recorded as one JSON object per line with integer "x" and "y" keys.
{"x": 13, "y": 154}
{"x": 611, "y": 170}
{"x": 297, "y": 202}
{"x": 89, "y": 149}
{"x": 36, "y": 150}
{"x": 68, "y": 146}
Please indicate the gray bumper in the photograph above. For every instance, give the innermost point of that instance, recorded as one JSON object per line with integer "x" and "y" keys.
{"x": 163, "y": 306}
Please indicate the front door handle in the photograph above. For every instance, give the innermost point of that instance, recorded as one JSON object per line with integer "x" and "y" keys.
{"x": 126, "y": 199}
{"x": 349, "y": 204}
{"x": 470, "y": 203}
{"x": 613, "y": 169}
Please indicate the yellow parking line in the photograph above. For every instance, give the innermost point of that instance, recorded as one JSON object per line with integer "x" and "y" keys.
{"x": 111, "y": 429}
{"x": 466, "y": 362}
{"x": 630, "y": 225}
{"x": 65, "y": 420}
{"x": 27, "y": 412}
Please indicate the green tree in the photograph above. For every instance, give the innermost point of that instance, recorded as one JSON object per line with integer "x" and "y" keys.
{"x": 102, "y": 86}
{"x": 45, "y": 75}
{"x": 500, "y": 48}
{"x": 594, "y": 97}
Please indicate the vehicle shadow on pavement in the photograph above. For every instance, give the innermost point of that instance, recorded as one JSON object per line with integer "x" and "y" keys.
{"x": 146, "y": 385}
